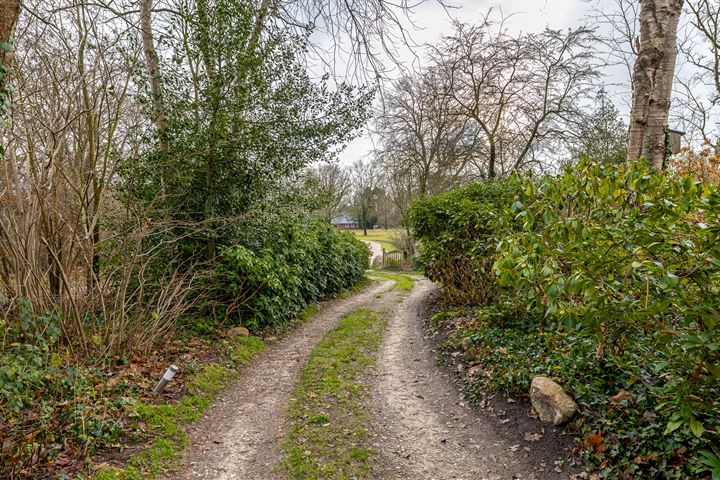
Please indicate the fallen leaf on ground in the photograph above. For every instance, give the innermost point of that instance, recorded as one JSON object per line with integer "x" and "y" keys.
{"x": 621, "y": 395}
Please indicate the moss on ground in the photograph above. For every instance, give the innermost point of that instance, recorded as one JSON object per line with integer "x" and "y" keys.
{"x": 360, "y": 286}
{"x": 402, "y": 282}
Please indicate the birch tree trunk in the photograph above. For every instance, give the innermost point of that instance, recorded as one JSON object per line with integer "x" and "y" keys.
{"x": 652, "y": 79}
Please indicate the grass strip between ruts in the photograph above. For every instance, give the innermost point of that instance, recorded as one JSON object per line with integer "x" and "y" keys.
{"x": 402, "y": 282}
{"x": 328, "y": 437}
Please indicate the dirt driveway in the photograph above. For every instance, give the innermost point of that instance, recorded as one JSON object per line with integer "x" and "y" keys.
{"x": 422, "y": 426}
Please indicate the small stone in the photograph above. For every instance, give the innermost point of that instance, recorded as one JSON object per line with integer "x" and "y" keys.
{"x": 237, "y": 332}
{"x": 466, "y": 343}
{"x": 551, "y": 402}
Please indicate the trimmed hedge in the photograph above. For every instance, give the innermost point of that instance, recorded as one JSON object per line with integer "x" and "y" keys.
{"x": 458, "y": 233}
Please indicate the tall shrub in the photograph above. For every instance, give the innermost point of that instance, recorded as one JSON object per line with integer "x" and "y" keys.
{"x": 458, "y": 232}
{"x": 269, "y": 280}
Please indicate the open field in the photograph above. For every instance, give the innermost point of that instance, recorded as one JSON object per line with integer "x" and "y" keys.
{"x": 382, "y": 236}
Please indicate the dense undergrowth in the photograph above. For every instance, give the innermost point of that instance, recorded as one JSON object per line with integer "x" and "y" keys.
{"x": 606, "y": 279}
{"x": 58, "y": 408}
{"x": 281, "y": 269}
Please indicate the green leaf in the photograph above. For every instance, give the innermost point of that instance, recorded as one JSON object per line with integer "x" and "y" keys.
{"x": 697, "y": 428}
{"x": 8, "y": 47}
{"x": 672, "y": 426}
{"x": 713, "y": 369}
{"x": 710, "y": 459}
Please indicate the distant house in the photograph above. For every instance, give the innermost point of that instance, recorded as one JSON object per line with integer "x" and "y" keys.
{"x": 345, "y": 222}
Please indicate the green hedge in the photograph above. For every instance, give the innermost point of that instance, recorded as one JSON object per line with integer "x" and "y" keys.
{"x": 282, "y": 268}
{"x": 458, "y": 232}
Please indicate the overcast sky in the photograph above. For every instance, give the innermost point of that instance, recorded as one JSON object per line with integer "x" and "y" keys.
{"x": 432, "y": 21}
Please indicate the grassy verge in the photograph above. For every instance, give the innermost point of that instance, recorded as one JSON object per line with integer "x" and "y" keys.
{"x": 328, "y": 438}
{"x": 402, "y": 282}
{"x": 381, "y": 236}
{"x": 164, "y": 422}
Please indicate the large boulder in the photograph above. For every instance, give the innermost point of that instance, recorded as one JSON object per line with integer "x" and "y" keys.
{"x": 237, "y": 332}
{"x": 551, "y": 402}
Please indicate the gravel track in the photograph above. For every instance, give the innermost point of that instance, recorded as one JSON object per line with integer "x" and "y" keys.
{"x": 427, "y": 430}
{"x": 422, "y": 426}
{"x": 239, "y": 435}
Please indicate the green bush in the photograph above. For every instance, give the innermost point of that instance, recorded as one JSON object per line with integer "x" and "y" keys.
{"x": 286, "y": 266}
{"x": 458, "y": 232}
{"x": 630, "y": 259}
{"x": 608, "y": 281}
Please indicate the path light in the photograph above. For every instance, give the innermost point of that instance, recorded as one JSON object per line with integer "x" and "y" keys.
{"x": 169, "y": 374}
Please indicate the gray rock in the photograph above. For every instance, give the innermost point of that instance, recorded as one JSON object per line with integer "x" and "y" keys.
{"x": 237, "y": 331}
{"x": 551, "y": 402}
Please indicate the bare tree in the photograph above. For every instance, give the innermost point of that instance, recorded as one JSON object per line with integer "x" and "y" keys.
{"x": 699, "y": 98}
{"x": 521, "y": 91}
{"x": 68, "y": 238}
{"x": 331, "y": 183}
{"x": 619, "y": 22}
{"x": 705, "y": 18}
{"x": 422, "y": 136}
{"x": 367, "y": 36}
{"x": 364, "y": 175}
{"x": 652, "y": 79}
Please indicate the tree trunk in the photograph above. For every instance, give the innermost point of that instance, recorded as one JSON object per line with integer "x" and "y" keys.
{"x": 9, "y": 13}
{"x": 152, "y": 63}
{"x": 652, "y": 79}
{"x": 491, "y": 160}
